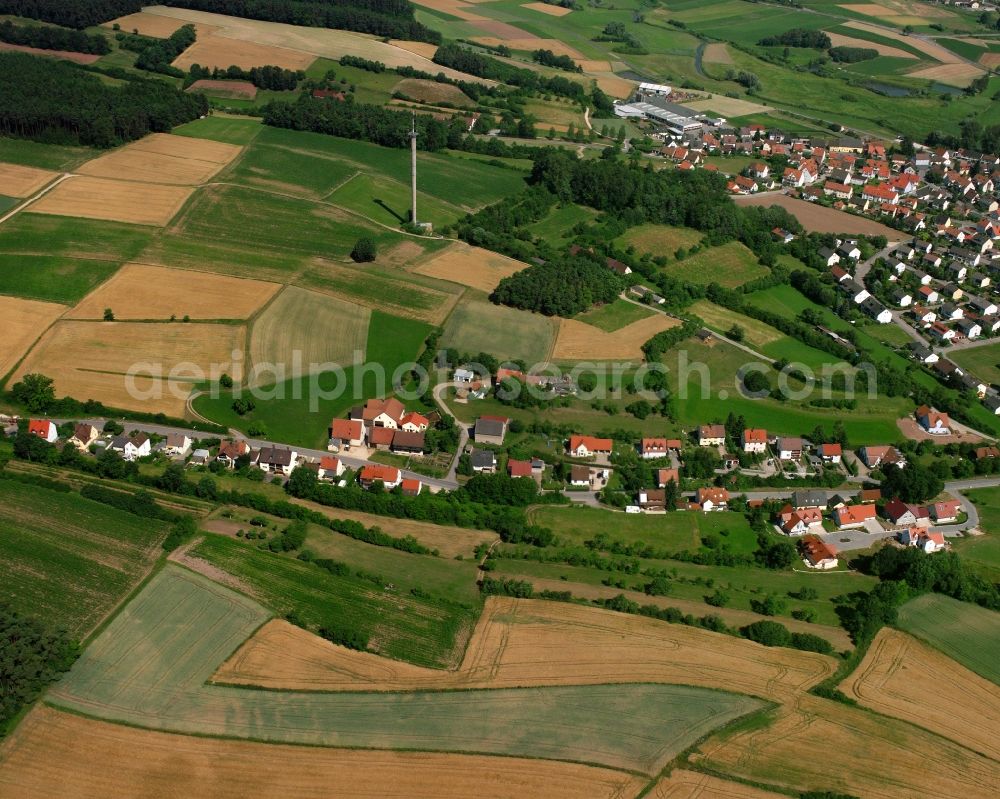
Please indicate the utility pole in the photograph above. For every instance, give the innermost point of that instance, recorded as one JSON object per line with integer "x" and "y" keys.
{"x": 413, "y": 170}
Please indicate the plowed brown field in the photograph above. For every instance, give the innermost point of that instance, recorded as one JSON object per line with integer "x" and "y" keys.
{"x": 527, "y": 643}
{"x": 958, "y": 704}
{"x": 55, "y": 755}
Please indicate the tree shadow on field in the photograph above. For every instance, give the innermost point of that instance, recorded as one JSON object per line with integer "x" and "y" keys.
{"x": 385, "y": 205}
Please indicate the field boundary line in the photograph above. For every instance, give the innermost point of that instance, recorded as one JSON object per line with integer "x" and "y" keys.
{"x": 340, "y": 185}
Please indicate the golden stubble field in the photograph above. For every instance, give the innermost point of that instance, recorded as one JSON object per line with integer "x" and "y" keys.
{"x": 470, "y": 266}
{"x": 529, "y": 643}
{"x": 694, "y": 785}
{"x": 24, "y": 321}
{"x": 141, "y": 291}
{"x": 23, "y": 181}
{"x": 162, "y": 158}
{"x": 114, "y": 200}
{"x": 155, "y": 25}
{"x": 904, "y": 678}
{"x": 214, "y": 50}
{"x": 89, "y": 360}
{"x": 579, "y": 341}
{"x": 54, "y": 755}
{"x": 824, "y": 745}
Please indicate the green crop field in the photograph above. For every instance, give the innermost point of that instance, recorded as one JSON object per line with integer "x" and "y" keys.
{"x": 679, "y": 532}
{"x": 44, "y": 156}
{"x": 289, "y": 170}
{"x": 963, "y": 631}
{"x": 660, "y": 239}
{"x": 186, "y": 626}
{"x": 477, "y": 325}
{"x": 6, "y": 203}
{"x": 983, "y": 362}
{"x": 41, "y": 277}
{"x": 388, "y": 201}
{"x": 983, "y": 551}
{"x": 298, "y": 410}
{"x": 730, "y": 265}
{"x": 67, "y": 559}
{"x": 230, "y": 130}
{"x": 614, "y": 315}
{"x": 322, "y": 329}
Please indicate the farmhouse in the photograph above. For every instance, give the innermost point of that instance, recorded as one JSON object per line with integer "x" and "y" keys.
{"x": 230, "y": 451}
{"x": 44, "y": 429}
{"x": 372, "y": 473}
{"x": 711, "y": 435}
{"x": 176, "y": 444}
{"x": 710, "y": 499}
{"x": 589, "y": 446}
{"x": 664, "y": 476}
{"x": 408, "y": 442}
{"x": 651, "y": 448}
{"x": 83, "y": 436}
{"x": 414, "y": 422}
{"x": 131, "y": 447}
{"x": 277, "y": 460}
{"x": 831, "y": 453}
{"x": 381, "y": 437}
{"x": 754, "y": 440}
{"x": 381, "y": 412}
{"x": 934, "y": 422}
{"x": 817, "y": 554}
{"x": 346, "y": 433}
{"x": 945, "y": 511}
{"x": 789, "y": 448}
{"x": 853, "y": 516}
{"x": 483, "y": 460}
{"x": 490, "y": 430}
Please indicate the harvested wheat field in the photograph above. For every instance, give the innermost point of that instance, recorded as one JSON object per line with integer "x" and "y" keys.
{"x": 839, "y": 40}
{"x": 234, "y": 89}
{"x": 162, "y": 158}
{"x": 449, "y": 541}
{"x": 322, "y": 329}
{"x": 817, "y": 219}
{"x": 24, "y": 322}
{"x": 729, "y": 106}
{"x": 528, "y": 643}
{"x": 593, "y": 64}
{"x": 140, "y": 291}
{"x": 579, "y": 341}
{"x": 53, "y": 755}
{"x": 426, "y": 49}
{"x": 814, "y": 743}
{"x": 214, "y": 50}
{"x": 694, "y": 785}
{"x": 952, "y": 74}
{"x": 521, "y": 41}
{"x": 716, "y": 53}
{"x": 454, "y": 8}
{"x": 470, "y": 266}
{"x": 89, "y": 360}
{"x": 323, "y": 42}
{"x": 926, "y": 46}
{"x": 64, "y": 55}
{"x": 961, "y": 705}
{"x": 430, "y": 91}
{"x": 23, "y": 181}
{"x": 114, "y": 200}
{"x": 545, "y": 8}
{"x": 155, "y": 25}
{"x": 990, "y": 60}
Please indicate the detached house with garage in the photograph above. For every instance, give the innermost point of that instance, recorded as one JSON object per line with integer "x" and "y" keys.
{"x": 277, "y": 460}
{"x": 389, "y": 476}
{"x": 652, "y": 448}
{"x": 817, "y": 554}
{"x": 83, "y": 436}
{"x": 934, "y": 422}
{"x": 43, "y": 429}
{"x": 754, "y": 440}
{"x": 589, "y": 446}
{"x": 231, "y": 451}
{"x": 712, "y": 499}
{"x": 711, "y": 435}
{"x": 346, "y": 433}
{"x": 789, "y": 448}
{"x": 131, "y": 447}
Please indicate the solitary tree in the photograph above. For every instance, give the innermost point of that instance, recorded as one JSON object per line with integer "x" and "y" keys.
{"x": 109, "y": 315}
{"x": 364, "y": 251}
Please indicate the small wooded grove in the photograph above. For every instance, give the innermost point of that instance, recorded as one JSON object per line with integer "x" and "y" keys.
{"x": 61, "y": 103}
{"x": 48, "y": 37}
{"x": 71, "y": 13}
{"x": 560, "y": 287}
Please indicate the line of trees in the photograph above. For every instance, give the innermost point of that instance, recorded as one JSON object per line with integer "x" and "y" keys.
{"x": 48, "y": 37}
{"x": 851, "y": 55}
{"x": 392, "y": 18}
{"x": 71, "y": 13}
{"x": 549, "y": 59}
{"x": 61, "y": 103}
{"x": 798, "y": 37}
{"x": 266, "y": 77}
{"x": 482, "y": 66}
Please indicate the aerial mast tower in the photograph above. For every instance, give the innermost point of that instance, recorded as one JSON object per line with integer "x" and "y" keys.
{"x": 413, "y": 170}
